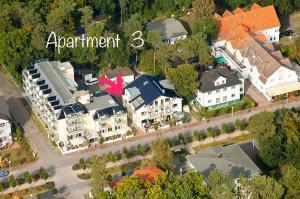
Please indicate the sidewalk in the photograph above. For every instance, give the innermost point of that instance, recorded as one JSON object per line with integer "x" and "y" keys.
{"x": 24, "y": 186}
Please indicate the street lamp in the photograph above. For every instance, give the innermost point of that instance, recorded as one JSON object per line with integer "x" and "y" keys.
{"x": 232, "y": 111}
{"x": 9, "y": 162}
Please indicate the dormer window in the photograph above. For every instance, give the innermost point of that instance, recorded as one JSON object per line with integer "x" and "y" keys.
{"x": 220, "y": 81}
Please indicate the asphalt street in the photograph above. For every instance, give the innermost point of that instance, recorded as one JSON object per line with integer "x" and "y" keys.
{"x": 59, "y": 166}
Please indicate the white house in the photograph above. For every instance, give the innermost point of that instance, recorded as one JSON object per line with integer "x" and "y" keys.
{"x": 219, "y": 87}
{"x": 151, "y": 101}
{"x": 5, "y": 124}
{"x": 245, "y": 41}
{"x": 169, "y": 29}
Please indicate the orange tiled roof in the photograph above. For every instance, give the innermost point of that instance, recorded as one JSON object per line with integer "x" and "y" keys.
{"x": 148, "y": 173}
{"x": 238, "y": 11}
{"x": 255, "y": 20}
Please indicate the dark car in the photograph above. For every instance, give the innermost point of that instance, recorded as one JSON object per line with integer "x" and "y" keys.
{"x": 287, "y": 33}
{"x": 193, "y": 60}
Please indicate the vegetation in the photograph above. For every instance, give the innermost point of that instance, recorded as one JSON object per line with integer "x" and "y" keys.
{"x": 277, "y": 135}
{"x": 162, "y": 154}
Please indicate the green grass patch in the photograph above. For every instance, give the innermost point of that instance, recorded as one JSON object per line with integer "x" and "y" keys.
{"x": 223, "y": 142}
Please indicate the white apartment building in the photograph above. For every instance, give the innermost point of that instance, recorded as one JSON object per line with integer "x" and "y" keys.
{"x": 5, "y": 124}
{"x": 219, "y": 87}
{"x": 245, "y": 41}
{"x": 52, "y": 91}
{"x": 106, "y": 118}
{"x": 151, "y": 102}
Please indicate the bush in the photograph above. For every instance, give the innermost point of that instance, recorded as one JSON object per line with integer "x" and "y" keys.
{"x": 75, "y": 167}
{"x": 54, "y": 190}
{"x": 50, "y": 185}
{"x": 84, "y": 176}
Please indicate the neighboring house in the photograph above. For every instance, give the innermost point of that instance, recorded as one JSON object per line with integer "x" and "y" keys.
{"x": 170, "y": 30}
{"x": 5, "y": 124}
{"x": 229, "y": 159}
{"x": 106, "y": 118}
{"x": 68, "y": 114}
{"x": 151, "y": 101}
{"x": 126, "y": 72}
{"x": 219, "y": 87}
{"x": 245, "y": 40}
{"x": 148, "y": 174}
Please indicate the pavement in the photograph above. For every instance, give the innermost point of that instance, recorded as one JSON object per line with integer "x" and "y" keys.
{"x": 60, "y": 167}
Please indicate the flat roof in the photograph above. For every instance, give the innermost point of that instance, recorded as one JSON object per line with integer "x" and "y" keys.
{"x": 55, "y": 81}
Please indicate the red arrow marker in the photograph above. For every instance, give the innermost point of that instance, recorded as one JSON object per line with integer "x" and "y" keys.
{"x": 114, "y": 88}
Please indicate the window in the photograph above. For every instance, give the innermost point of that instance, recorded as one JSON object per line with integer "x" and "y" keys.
{"x": 174, "y": 105}
{"x": 143, "y": 113}
{"x": 209, "y": 92}
{"x": 156, "y": 103}
{"x": 232, "y": 95}
{"x": 209, "y": 101}
{"x": 224, "y": 89}
{"x": 232, "y": 87}
{"x": 218, "y": 100}
{"x": 225, "y": 99}
{"x": 218, "y": 91}
{"x": 241, "y": 89}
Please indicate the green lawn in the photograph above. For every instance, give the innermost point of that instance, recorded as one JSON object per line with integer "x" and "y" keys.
{"x": 18, "y": 156}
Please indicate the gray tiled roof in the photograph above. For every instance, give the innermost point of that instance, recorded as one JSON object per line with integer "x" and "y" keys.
{"x": 168, "y": 28}
{"x": 208, "y": 78}
{"x": 228, "y": 160}
{"x": 56, "y": 82}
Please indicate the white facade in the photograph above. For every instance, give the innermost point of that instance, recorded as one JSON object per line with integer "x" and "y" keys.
{"x": 5, "y": 133}
{"x": 220, "y": 96}
{"x": 66, "y": 112}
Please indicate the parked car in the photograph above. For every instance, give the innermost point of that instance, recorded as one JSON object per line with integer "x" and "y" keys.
{"x": 91, "y": 81}
{"x": 3, "y": 173}
{"x": 288, "y": 33}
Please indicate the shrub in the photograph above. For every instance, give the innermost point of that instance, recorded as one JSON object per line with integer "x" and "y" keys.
{"x": 84, "y": 176}
{"x": 54, "y": 190}
{"x": 50, "y": 185}
{"x": 75, "y": 167}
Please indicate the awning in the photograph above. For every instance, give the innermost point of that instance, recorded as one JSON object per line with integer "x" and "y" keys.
{"x": 220, "y": 60}
{"x": 77, "y": 141}
{"x": 282, "y": 89}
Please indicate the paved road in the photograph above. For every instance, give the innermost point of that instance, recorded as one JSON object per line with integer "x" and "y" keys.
{"x": 60, "y": 166}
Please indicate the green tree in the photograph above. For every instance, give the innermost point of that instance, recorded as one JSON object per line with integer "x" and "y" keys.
{"x": 82, "y": 163}
{"x": 154, "y": 41}
{"x": 12, "y": 181}
{"x": 291, "y": 180}
{"x": 232, "y": 4}
{"x": 239, "y": 125}
{"x": 131, "y": 187}
{"x": 261, "y": 126}
{"x": 291, "y": 128}
{"x": 140, "y": 149}
{"x": 133, "y": 24}
{"x": 43, "y": 173}
{"x": 262, "y": 187}
{"x": 162, "y": 154}
{"x": 111, "y": 157}
{"x": 155, "y": 192}
{"x": 27, "y": 177}
{"x": 184, "y": 78}
{"x": 225, "y": 128}
{"x": 204, "y": 8}
{"x": 1, "y": 187}
{"x": 99, "y": 174}
{"x": 147, "y": 63}
{"x": 206, "y": 27}
{"x": 87, "y": 15}
{"x": 294, "y": 47}
{"x": 125, "y": 153}
{"x": 220, "y": 185}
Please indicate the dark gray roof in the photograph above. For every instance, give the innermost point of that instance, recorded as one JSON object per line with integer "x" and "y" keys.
{"x": 168, "y": 28}
{"x": 145, "y": 89}
{"x": 208, "y": 78}
{"x": 228, "y": 160}
{"x": 71, "y": 109}
{"x": 4, "y": 109}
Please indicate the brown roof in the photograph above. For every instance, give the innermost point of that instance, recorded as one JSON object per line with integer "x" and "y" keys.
{"x": 125, "y": 71}
{"x": 266, "y": 61}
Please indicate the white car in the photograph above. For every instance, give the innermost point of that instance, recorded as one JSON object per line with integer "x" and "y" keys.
{"x": 92, "y": 81}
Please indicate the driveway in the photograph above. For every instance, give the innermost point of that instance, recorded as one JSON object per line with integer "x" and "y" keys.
{"x": 254, "y": 93}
